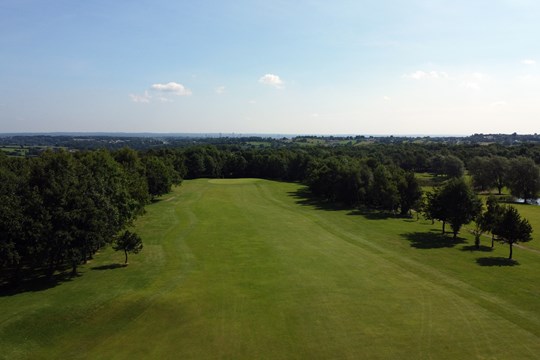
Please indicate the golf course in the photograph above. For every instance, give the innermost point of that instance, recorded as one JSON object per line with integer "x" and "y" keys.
{"x": 257, "y": 269}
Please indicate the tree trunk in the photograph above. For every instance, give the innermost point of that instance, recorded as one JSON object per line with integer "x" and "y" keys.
{"x": 443, "y": 226}
{"x": 510, "y": 256}
{"x": 492, "y": 241}
{"x": 455, "y": 234}
{"x": 73, "y": 268}
{"x": 477, "y": 241}
{"x": 125, "y": 252}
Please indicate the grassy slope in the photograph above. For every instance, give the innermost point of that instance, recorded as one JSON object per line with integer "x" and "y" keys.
{"x": 249, "y": 269}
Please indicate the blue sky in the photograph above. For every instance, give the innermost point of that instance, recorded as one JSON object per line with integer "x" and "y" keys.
{"x": 287, "y": 67}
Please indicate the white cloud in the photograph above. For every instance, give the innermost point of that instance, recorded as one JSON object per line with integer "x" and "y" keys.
{"x": 498, "y": 104}
{"x": 271, "y": 80}
{"x": 172, "y": 87}
{"x": 386, "y": 98}
{"x": 220, "y": 90}
{"x": 528, "y": 62}
{"x": 420, "y": 75}
{"x": 472, "y": 85}
{"x": 145, "y": 98}
{"x": 479, "y": 76}
{"x": 159, "y": 92}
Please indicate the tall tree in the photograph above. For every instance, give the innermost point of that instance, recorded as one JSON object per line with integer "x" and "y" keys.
{"x": 53, "y": 178}
{"x": 480, "y": 171}
{"x": 159, "y": 175}
{"x": 384, "y": 191}
{"x": 511, "y": 228}
{"x": 434, "y": 207}
{"x": 409, "y": 192}
{"x": 460, "y": 204}
{"x": 11, "y": 217}
{"x": 499, "y": 170}
{"x": 524, "y": 178}
{"x": 491, "y": 216}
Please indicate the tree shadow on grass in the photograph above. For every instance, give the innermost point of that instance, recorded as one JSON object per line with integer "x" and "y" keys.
{"x": 373, "y": 214}
{"x": 108, "y": 267}
{"x": 35, "y": 284}
{"x": 481, "y": 248}
{"x": 431, "y": 240}
{"x": 496, "y": 261}
{"x": 304, "y": 197}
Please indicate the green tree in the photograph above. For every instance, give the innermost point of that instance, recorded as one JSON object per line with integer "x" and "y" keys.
{"x": 491, "y": 216}
{"x": 511, "y": 228}
{"x": 384, "y": 191}
{"x": 159, "y": 176}
{"x": 480, "y": 171}
{"x": 524, "y": 178}
{"x": 54, "y": 208}
{"x": 460, "y": 204}
{"x": 11, "y": 217}
{"x": 499, "y": 170}
{"x": 410, "y": 192}
{"x": 128, "y": 242}
{"x": 453, "y": 166}
{"x": 434, "y": 208}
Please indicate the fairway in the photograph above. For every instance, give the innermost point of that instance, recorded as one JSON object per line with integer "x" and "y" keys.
{"x": 252, "y": 269}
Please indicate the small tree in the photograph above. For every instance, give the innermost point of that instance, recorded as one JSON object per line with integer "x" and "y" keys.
{"x": 434, "y": 208}
{"x": 491, "y": 217}
{"x": 128, "y": 242}
{"x": 511, "y": 228}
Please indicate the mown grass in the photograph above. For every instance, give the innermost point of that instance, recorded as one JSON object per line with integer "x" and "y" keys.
{"x": 254, "y": 269}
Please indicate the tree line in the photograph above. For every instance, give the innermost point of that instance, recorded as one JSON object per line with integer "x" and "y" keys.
{"x": 59, "y": 208}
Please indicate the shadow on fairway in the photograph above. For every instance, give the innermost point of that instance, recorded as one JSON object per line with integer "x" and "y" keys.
{"x": 108, "y": 267}
{"x": 378, "y": 215}
{"x": 496, "y": 261}
{"x": 482, "y": 248}
{"x": 304, "y": 197}
{"x": 431, "y": 240}
{"x": 35, "y": 284}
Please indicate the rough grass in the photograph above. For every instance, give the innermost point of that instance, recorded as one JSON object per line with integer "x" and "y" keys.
{"x": 253, "y": 269}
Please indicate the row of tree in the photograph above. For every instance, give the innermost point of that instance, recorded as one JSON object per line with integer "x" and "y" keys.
{"x": 58, "y": 209}
{"x": 365, "y": 183}
{"x": 61, "y": 207}
{"x": 521, "y": 175}
{"x": 457, "y": 204}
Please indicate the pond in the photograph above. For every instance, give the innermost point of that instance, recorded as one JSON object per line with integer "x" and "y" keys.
{"x": 531, "y": 201}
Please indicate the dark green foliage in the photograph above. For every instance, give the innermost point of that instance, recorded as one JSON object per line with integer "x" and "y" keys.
{"x": 511, "y": 228}
{"x": 410, "y": 192}
{"x": 489, "y": 172}
{"x": 490, "y": 218}
{"x": 454, "y": 203}
{"x": 11, "y": 217}
{"x": 448, "y": 165}
{"x": 384, "y": 192}
{"x": 524, "y": 178}
{"x": 499, "y": 170}
{"x": 58, "y": 209}
{"x": 434, "y": 207}
{"x": 136, "y": 176}
{"x": 128, "y": 242}
{"x": 159, "y": 175}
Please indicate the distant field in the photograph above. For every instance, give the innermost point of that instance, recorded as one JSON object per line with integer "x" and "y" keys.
{"x": 252, "y": 269}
